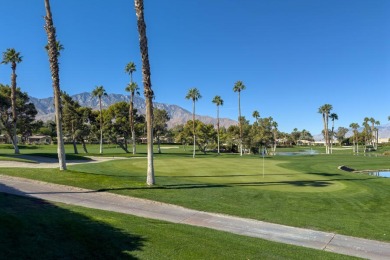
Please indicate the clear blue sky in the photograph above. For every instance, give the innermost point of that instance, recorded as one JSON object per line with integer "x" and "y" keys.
{"x": 292, "y": 55}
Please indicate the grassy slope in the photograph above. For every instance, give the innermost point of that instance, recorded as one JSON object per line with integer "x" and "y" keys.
{"x": 33, "y": 228}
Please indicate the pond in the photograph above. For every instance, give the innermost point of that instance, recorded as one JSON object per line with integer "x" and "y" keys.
{"x": 385, "y": 174}
{"x": 304, "y": 152}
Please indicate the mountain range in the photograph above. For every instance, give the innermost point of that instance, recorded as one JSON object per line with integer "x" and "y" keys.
{"x": 177, "y": 114}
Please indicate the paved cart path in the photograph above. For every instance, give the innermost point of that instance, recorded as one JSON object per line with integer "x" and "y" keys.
{"x": 155, "y": 210}
{"x": 47, "y": 162}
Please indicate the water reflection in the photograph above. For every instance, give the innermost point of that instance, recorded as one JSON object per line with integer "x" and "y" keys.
{"x": 385, "y": 174}
{"x": 303, "y": 152}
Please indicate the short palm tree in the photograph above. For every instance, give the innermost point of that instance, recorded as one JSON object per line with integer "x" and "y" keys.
{"x": 238, "y": 87}
{"x": 54, "y": 68}
{"x": 99, "y": 92}
{"x": 256, "y": 115}
{"x": 133, "y": 89}
{"x": 148, "y": 92}
{"x": 217, "y": 100}
{"x": 194, "y": 95}
{"x": 13, "y": 57}
{"x": 130, "y": 68}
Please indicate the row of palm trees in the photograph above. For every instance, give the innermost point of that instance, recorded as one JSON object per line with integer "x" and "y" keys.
{"x": 371, "y": 133}
{"x": 133, "y": 88}
{"x": 194, "y": 95}
{"x": 53, "y": 47}
{"x": 325, "y": 110}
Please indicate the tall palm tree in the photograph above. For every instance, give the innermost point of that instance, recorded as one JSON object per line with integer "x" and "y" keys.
{"x": 99, "y": 92}
{"x": 325, "y": 110}
{"x": 355, "y": 127}
{"x": 217, "y": 100}
{"x": 238, "y": 87}
{"x": 332, "y": 116}
{"x": 133, "y": 89}
{"x": 376, "y": 136}
{"x": 367, "y": 132}
{"x": 194, "y": 95}
{"x": 148, "y": 92}
{"x": 54, "y": 68}
{"x": 129, "y": 69}
{"x": 13, "y": 57}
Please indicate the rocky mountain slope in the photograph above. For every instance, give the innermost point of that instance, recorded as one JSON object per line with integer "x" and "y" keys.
{"x": 177, "y": 114}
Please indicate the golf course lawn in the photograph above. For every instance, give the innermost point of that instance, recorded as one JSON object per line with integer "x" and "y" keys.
{"x": 302, "y": 191}
{"x": 32, "y": 228}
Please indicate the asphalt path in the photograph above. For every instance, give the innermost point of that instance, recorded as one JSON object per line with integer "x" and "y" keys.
{"x": 331, "y": 242}
{"x": 47, "y": 162}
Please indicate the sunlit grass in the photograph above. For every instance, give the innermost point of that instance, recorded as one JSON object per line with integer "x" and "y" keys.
{"x": 303, "y": 191}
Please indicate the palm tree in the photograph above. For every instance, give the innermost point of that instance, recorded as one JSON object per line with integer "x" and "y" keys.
{"x": 238, "y": 87}
{"x": 59, "y": 48}
{"x": 367, "y": 132}
{"x": 333, "y": 117}
{"x": 325, "y": 110}
{"x": 99, "y": 92}
{"x": 194, "y": 95}
{"x": 54, "y": 68}
{"x": 148, "y": 92}
{"x": 13, "y": 57}
{"x": 219, "y": 102}
{"x": 376, "y": 134}
{"x": 130, "y": 68}
{"x": 274, "y": 125}
{"x": 355, "y": 127}
{"x": 256, "y": 115}
{"x": 133, "y": 89}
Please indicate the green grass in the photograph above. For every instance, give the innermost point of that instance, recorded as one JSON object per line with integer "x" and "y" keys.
{"x": 32, "y": 228}
{"x": 302, "y": 191}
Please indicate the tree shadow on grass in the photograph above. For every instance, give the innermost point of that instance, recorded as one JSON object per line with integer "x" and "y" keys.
{"x": 324, "y": 174}
{"x": 178, "y": 186}
{"x": 32, "y": 228}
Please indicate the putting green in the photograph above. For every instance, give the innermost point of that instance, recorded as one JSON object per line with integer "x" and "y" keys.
{"x": 229, "y": 172}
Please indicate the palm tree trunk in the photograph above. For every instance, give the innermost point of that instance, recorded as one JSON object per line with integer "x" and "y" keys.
{"x": 13, "y": 105}
{"x": 139, "y": 9}
{"x": 101, "y": 126}
{"x": 133, "y": 141}
{"x": 53, "y": 58}
{"x": 239, "y": 121}
{"x": 218, "y": 128}
{"x": 324, "y": 121}
{"x": 193, "y": 127}
{"x": 331, "y": 141}
{"x": 132, "y": 121}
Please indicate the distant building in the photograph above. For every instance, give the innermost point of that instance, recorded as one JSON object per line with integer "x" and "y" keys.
{"x": 39, "y": 139}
